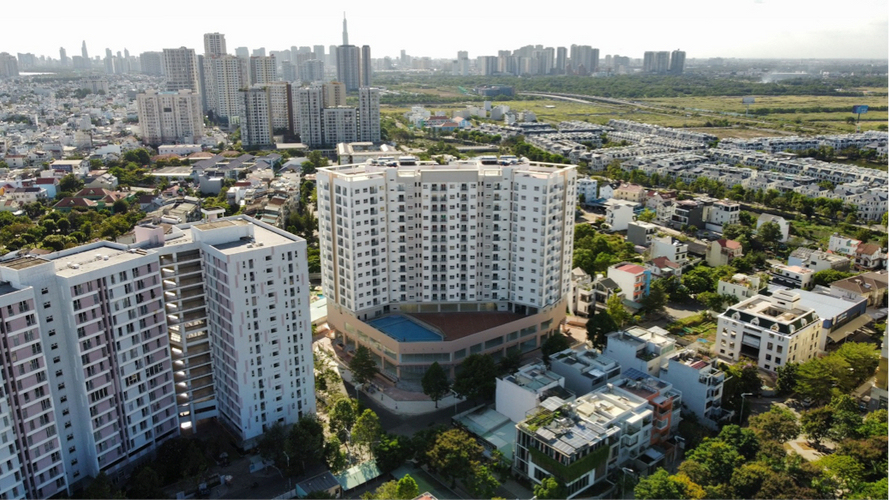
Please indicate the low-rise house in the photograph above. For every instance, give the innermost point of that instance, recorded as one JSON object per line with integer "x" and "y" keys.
{"x": 818, "y": 260}
{"x": 630, "y": 192}
{"x": 740, "y": 286}
{"x": 584, "y": 369}
{"x": 640, "y": 233}
{"x": 722, "y": 213}
{"x": 634, "y": 280}
{"x": 782, "y": 224}
{"x": 842, "y": 245}
{"x": 792, "y": 276}
{"x": 869, "y": 256}
{"x": 671, "y": 248}
{"x": 871, "y": 286}
{"x": 521, "y": 392}
{"x": 722, "y": 252}
{"x": 662, "y": 267}
{"x": 619, "y": 214}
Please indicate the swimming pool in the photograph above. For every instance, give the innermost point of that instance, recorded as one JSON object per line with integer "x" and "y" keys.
{"x": 403, "y": 329}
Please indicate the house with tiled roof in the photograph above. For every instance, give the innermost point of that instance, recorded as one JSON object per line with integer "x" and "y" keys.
{"x": 723, "y": 252}
{"x": 634, "y": 281}
{"x": 69, "y": 203}
{"x": 871, "y": 286}
{"x": 869, "y": 256}
{"x": 663, "y": 267}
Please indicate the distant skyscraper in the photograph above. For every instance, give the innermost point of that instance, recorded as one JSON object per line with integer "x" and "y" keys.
{"x": 181, "y": 69}
{"x": 214, "y": 44}
{"x": 242, "y": 52}
{"x": 334, "y": 94}
{"x": 83, "y": 53}
{"x": 311, "y": 71}
{"x": 109, "y": 62}
{"x": 9, "y": 66}
{"x": 366, "y": 67}
{"x": 63, "y": 57}
{"x": 256, "y": 124}
{"x": 152, "y": 63}
{"x": 561, "y": 60}
{"x": 263, "y": 70}
{"x": 661, "y": 62}
{"x": 462, "y": 54}
{"x": 289, "y": 71}
{"x": 340, "y": 125}
{"x": 345, "y": 31}
{"x": 677, "y": 62}
{"x": 348, "y": 66}
{"x": 648, "y": 61}
{"x": 369, "y": 114}
{"x": 260, "y": 52}
{"x": 281, "y": 106}
{"x": 318, "y": 52}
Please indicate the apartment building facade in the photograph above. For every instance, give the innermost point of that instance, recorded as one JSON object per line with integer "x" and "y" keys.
{"x": 170, "y": 117}
{"x": 471, "y": 236}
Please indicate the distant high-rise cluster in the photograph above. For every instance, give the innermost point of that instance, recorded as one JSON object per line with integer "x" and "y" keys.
{"x": 664, "y": 62}
{"x": 353, "y": 64}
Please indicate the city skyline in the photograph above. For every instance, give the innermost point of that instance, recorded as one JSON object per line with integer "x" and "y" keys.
{"x": 736, "y": 28}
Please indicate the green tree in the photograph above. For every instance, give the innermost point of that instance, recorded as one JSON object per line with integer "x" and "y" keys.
{"x": 342, "y": 418}
{"x": 816, "y": 423}
{"x": 550, "y": 488}
{"x": 367, "y": 429}
{"x": 435, "y": 383}
{"x": 392, "y": 451}
{"x": 769, "y": 234}
{"x": 454, "y": 453}
{"x": 874, "y": 424}
{"x": 656, "y": 299}
{"x": 711, "y": 463}
{"x": 481, "y": 482}
{"x": 614, "y": 307}
{"x": 828, "y": 276}
{"x": 363, "y": 365}
{"x": 786, "y": 382}
{"x": 862, "y": 358}
{"x": 742, "y": 439}
{"x": 70, "y": 184}
{"x": 305, "y": 444}
{"x": 846, "y": 419}
{"x": 271, "y": 445}
{"x": 779, "y": 424}
{"x": 817, "y": 377}
{"x": 661, "y": 485}
{"x": 102, "y": 487}
{"x": 646, "y": 215}
{"x": 337, "y": 460}
{"x": 743, "y": 377}
{"x": 872, "y": 491}
{"x": 840, "y": 475}
{"x": 120, "y": 207}
{"x": 407, "y": 488}
{"x": 554, "y": 343}
{"x": 146, "y": 483}
{"x": 476, "y": 377}
{"x": 747, "y": 480}
{"x": 598, "y": 325}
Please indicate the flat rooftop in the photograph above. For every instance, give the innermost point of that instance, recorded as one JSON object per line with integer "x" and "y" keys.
{"x": 24, "y": 263}
{"x": 457, "y": 325}
{"x": 92, "y": 259}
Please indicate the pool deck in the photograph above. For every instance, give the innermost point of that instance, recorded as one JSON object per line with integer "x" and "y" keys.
{"x": 463, "y": 324}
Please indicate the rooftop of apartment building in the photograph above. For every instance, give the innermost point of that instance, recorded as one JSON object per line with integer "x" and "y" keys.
{"x": 691, "y": 358}
{"x": 378, "y": 167}
{"x": 780, "y": 312}
{"x": 533, "y": 377}
{"x": 655, "y": 335}
{"x": 631, "y": 268}
{"x": 794, "y": 269}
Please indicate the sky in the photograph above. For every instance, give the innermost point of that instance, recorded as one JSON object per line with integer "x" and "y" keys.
{"x": 798, "y": 29}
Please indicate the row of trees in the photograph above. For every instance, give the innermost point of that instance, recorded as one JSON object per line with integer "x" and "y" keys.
{"x": 821, "y": 378}
{"x": 752, "y": 463}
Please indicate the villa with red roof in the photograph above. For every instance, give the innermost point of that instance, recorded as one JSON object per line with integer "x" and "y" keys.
{"x": 634, "y": 280}
{"x": 722, "y": 252}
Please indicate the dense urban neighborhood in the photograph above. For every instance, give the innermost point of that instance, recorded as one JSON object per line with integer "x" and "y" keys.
{"x": 310, "y": 273}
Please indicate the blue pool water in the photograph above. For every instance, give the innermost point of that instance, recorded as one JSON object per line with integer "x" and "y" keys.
{"x": 403, "y": 329}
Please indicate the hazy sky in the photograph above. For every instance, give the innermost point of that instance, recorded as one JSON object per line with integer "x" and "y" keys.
{"x": 703, "y": 28}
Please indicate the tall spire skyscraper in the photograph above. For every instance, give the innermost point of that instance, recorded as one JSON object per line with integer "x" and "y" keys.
{"x": 345, "y": 31}
{"x": 83, "y": 52}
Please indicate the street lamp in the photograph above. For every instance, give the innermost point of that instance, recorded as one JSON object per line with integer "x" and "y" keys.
{"x": 454, "y": 393}
{"x": 623, "y": 486}
{"x": 741, "y": 413}
{"x": 288, "y": 469}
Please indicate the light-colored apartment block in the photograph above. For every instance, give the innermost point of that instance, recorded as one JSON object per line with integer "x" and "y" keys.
{"x": 490, "y": 242}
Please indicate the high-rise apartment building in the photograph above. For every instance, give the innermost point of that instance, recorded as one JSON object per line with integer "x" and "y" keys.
{"x": 369, "y": 114}
{"x": 334, "y": 94}
{"x": 366, "y": 67}
{"x": 281, "y": 106}
{"x": 677, "y": 62}
{"x": 340, "y": 124}
{"x": 214, "y": 44}
{"x": 63, "y": 57}
{"x": 348, "y": 66}
{"x": 260, "y": 52}
{"x": 152, "y": 63}
{"x": 256, "y": 124}
{"x": 289, "y": 71}
{"x": 309, "y": 103}
{"x": 584, "y": 59}
{"x": 263, "y": 70}
{"x": 181, "y": 70}
{"x": 318, "y": 52}
{"x": 661, "y": 62}
{"x": 9, "y": 65}
{"x": 561, "y": 60}
{"x": 111, "y": 348}
{"x": 648, "y": 64}
{"x": 311, "y": 71}
{"x": 109, "y": 62}
{"x": 170, "y": 117}
{"x": 242, "y": 52}
{"x": 426, "y": 263}
{"x": 225, "y": 75}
